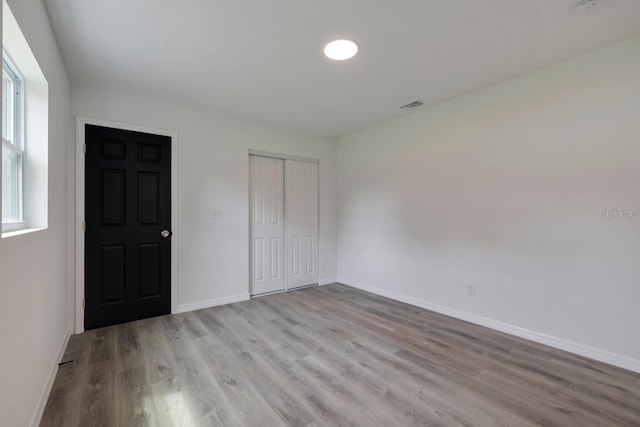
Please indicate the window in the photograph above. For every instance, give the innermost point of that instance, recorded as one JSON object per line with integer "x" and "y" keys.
{"x": 12, "y": 146}
{"x": 25, "y": 134}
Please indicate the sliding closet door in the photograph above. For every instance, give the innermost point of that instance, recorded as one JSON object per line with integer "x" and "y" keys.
{"x": 301, "y": 217}
{"x": 267, "y": 224}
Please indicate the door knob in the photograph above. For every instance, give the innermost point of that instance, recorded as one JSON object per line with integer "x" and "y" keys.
{"x": 165, "y": 234}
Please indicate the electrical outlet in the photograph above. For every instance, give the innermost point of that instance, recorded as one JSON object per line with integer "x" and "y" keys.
{"x": 471, "y": 290}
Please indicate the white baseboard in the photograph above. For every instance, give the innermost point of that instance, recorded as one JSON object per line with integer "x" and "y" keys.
{"x": 36, "y": 418}
{"x": 327, "y": 281}
{"x": 183, "y": 308}
{"x": 559, "y": 343}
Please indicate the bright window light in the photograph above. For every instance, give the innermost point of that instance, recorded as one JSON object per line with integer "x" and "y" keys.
{"x": 339, "y": 50}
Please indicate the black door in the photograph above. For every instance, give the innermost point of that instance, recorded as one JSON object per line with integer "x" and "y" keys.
{"x": 128, "y": 219}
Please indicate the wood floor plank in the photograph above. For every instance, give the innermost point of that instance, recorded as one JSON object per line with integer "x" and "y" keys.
{"x": 135, "y": 406}
{"x": 329, "y": 356}
{"x": 238, "y": 389}
{"x": 269, "y": 385}
{"x": 98, "y": 396}
{"x": 172, "y": 406}
{"x": 128, "y": 351}
{"x": 159, "y": 362}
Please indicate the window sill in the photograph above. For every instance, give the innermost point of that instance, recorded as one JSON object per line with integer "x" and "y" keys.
{"x": 13, "y": 226}
{"x": 20, "y": 232}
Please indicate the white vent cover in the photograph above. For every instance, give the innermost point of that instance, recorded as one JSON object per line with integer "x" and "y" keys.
{"x": 587, "y": 6}
{"x": 413, "y": 104}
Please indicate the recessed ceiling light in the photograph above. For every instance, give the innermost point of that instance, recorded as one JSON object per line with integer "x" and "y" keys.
{"x": 339, "y": 50}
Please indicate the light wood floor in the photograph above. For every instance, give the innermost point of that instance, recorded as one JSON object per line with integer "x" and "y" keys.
{"x": 325, "y": 357}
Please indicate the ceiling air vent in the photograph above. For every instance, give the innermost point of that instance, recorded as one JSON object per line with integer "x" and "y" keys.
{"x": 413, "y": 104}
{"x": 587, "y": 6}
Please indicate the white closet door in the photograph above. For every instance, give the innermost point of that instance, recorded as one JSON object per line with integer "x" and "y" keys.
{"x": 267, "y": 224}
{"x": 301, "y": 217}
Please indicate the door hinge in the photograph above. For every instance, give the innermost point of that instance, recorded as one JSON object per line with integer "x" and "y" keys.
{"x": 84, "y": 226}
{"x": 83, "y": 303}
{"x": 84, "y": 148}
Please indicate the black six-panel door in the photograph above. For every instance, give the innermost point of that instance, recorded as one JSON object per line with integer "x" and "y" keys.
{"x": 128, "y": 219}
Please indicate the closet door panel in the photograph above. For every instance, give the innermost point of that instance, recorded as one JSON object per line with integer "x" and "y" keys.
{"x": 301, "y": 218}
{"x": 266, "y": 210}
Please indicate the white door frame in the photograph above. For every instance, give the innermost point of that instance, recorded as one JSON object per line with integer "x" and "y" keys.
{"x": 80, "y": 200}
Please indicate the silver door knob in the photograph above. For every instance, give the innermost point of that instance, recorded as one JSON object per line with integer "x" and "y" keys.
{"x": 165, "y": 234}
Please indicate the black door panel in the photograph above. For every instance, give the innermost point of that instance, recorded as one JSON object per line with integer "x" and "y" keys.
{"x": 127, "y": 206}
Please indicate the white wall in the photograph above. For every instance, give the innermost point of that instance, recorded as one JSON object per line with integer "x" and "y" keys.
{"x": 504, "y": 189}
{"x": 34, "y": 268}
{"x": 213, "y": 161}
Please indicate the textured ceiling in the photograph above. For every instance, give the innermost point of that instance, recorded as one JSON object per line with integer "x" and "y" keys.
{"x": 262, "y": 59}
